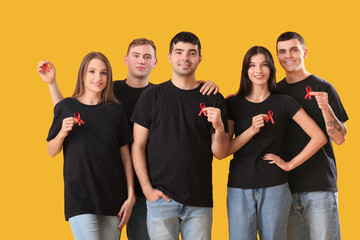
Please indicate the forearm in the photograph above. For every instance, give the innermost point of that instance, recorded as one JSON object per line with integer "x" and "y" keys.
{"x": 129, "y": 173}
{"x": 220, "y": 143}
{"x": 139, "y": 161}
{"x": 315, "y": 143}
{"x": 55, "y": 92}
{"x": 335, "y": 129}
{"x": 54, "y": 146}
{"x": 238, "y": 142}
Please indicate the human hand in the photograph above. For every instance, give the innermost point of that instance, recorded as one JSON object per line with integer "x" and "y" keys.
{"x": 208, "y": 87}
{"x": 321, "y": 99}
{"x": 67, "y": 125}
{"x": 274, "y": 159}
{"x": 48, "y": 75}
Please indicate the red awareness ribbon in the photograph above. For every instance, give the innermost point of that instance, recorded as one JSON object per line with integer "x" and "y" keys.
{"x": 45, "y": 66}
{"x": 202, "y": 106}
{"x": 308, "y": 91}
{"x": 78, "y": 118}
{"x": 270, "y": 113}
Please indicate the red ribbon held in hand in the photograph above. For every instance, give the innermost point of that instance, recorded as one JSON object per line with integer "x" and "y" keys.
{"x": 45, "y": 66}
{"x": 270, "y": 113}
{"x": 202, "y": 106}
{"x": 308, "y": 91}
{"x": 77, "y": 116}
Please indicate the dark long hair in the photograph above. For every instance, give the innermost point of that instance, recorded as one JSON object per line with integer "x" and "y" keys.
{"x": 245, "y": 83}
{"x": 107, "y": 94}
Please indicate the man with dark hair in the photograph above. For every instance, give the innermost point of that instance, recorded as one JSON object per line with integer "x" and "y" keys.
{"x": 140, "y": 60}
{"x": 314, "y": 212}
{"x": 176, "y": 132}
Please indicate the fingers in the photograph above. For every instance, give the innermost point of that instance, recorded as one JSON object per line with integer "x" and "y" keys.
{"x": 163, "y": 195}
{"x": 208, "y": 88}
{"x": 212, "y": 113}
{"x": 125, "y": 218}
{"x": 321, "y": 99}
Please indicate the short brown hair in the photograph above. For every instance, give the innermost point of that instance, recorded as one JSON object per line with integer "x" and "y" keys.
{"x": 141, "y": 41}
{"x": 107, "y": 94}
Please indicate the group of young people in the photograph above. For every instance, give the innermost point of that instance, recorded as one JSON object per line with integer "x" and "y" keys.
{"x": 282, "y": 178}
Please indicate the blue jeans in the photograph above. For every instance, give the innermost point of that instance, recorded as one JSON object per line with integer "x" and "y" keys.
{"x": 314, "y": 216}
{"x": 263, "y": 209}
{"x": 95, "y": 227}
{"x": 165, "y": 220}
{"x": 136, "y": 227}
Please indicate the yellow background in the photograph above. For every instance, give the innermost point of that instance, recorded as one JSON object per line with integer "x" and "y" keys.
{"x": 64, "y": 31}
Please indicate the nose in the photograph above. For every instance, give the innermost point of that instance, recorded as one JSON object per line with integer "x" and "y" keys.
{"x": 258, "y": 69}
{"x": 184, "y": 56}
{"x": 288, "y": 54}
{"x": 141, "y": 60}
{"x": 97, "y": 76}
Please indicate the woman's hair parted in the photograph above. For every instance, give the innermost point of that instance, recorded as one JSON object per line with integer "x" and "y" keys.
{"x": 245, "y": 82}
{"x": 107, "y": 94}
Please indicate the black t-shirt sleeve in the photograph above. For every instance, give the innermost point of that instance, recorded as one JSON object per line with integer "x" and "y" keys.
{"x": 229, "y": 107}
{"x": 224, "y": 113}
{"x": 125, "y": 137}
{"x": 142, "y": 111}
{"x": 335, "y": 103}
{"x": 57, "y": 122}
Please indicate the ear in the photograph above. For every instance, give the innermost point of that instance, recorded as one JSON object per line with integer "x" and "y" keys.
{"x": 200, "y": 58}
{"x": 305, "y": 53}
{"x": 156, "y": 61}
{"x": 169, "y": 56}
{"x": 126, "y": 60}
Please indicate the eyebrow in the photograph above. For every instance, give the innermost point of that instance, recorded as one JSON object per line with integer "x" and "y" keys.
{"x": 180, "y": 49}
{"x": 105, "y": 69}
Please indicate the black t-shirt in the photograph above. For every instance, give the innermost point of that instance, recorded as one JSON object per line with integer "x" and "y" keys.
{"x": 247, "y": 168}
{"x": 94, "y": 176}
{"x": 319, "y": 172}
{"x": 128, "y": 96}
{"x": 179, "y": 156}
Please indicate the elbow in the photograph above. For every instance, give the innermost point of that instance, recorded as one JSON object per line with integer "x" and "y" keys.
{"x": 339, "y": 141}
{"x": 52, "y": 154}
{"x": 220, "y": 156}
{"x": 323, "y": 140}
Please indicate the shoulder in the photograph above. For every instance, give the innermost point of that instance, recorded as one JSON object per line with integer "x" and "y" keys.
{"x": 321, "y": 84}
{"x": 281, "y": 84}
{"x": 66, "y": 102}
{"x": 119, "y": 83}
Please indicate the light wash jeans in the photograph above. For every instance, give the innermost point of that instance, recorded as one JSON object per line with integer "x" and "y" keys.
{"x": 165, "y": 220}
{"x": 314, "y": 216}
{"x": 95, "y": 227}
{"x": 136, "y": 227}
{"x": 263, "y": 209}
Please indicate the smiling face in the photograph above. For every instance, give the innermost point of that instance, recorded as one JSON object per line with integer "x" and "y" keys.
{"x": 95, "y": 77}
{"x": 291, "y": 55}
{"x": 259, "y": 70}
{"x": 140, "y": 61}
{"x": 184, "y": 58}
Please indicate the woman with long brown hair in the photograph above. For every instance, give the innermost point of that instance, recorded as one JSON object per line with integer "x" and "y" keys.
{"x": 93, "y": 131}
{"x": 259, "y": 198}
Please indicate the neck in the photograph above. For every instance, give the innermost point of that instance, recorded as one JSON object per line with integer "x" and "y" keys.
{"x": 185, "y": 82}
{"x": 258, "y": 93}
{"x": 91, "y": 98}
{"x": 137, "y": 82}
{"x": 293, "y": 77}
